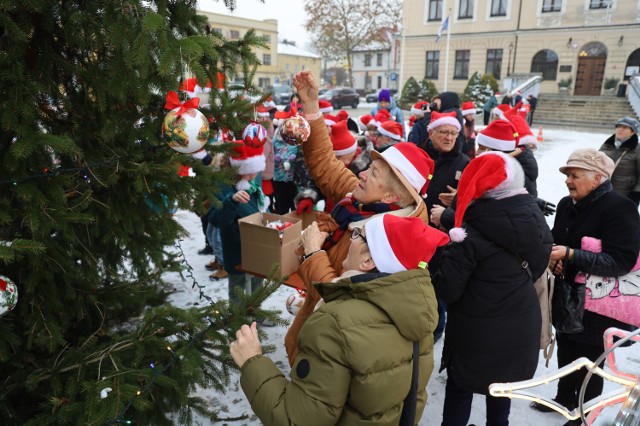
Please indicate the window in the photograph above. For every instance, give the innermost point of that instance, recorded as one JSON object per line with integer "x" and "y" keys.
{"x": 494, "y": 62}
{"x": 545, "y": 62}
{"x": 551, "y": 6}
{"x": 286, "y": 66}
{"x": 466, "y": 9}
{"x": 367, "y": 59}
{"x": 435, "y": 10}
{"x": 296, "y": 68}
{"x": 498, "y": 7}
{"x": 264, "y": 81}
{"x": 379, "y": 59}
{"x": 234, "y": 34}
{"x": 367, "y": 81}
{"x": 217, "y": 30}
{"x": 266, "y": 59}
{"x": 379, "y": 82}
{"x": 462, "y": 64}
{"x": 599, "y": 4}
{"x": 433, "y": 62}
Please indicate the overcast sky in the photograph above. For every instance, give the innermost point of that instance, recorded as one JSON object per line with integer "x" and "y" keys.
{"x": 289, "y": 13}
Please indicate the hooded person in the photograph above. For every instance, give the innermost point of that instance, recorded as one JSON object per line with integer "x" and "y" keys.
{"x": 386, "y": 102}
{"x": 494, "y": 322}
{"x": 395, "y": 183}
{"x": 418, "y": 133}
{"x": 383, "y": 304}
{"x": 622, "y": 147}
{"x": 469, "y": 115}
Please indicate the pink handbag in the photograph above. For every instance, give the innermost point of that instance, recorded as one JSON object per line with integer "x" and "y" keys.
{"x": 613, "y": 297}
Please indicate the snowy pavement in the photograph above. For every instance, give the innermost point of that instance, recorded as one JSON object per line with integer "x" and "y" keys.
{"x": 552, "y": 154}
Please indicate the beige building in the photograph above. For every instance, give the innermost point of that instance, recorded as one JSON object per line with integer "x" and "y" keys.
{"x": 292, "y": 59}
{"x": 588, "y": 41}
{"x": 233, "y": 28}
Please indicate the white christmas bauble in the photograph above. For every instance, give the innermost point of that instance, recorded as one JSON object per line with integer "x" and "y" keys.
{"x": 8, "y": 295}
{"x": 187, "y": 132}
{"x": 254, "y": 135}
{"x": 295, "y": 302}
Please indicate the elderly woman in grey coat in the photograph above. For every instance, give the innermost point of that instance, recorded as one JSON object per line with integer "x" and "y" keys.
{"x": 622, "y": 147}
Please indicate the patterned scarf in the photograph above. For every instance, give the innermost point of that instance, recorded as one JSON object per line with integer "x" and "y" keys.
{"x": 349, "y": 210}
{"x": 263, "y": 202}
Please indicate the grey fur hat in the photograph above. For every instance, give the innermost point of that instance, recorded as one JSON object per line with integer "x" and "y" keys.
{"x": 630, "y": 122}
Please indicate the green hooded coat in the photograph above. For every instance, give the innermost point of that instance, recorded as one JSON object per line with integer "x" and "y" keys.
{"x": 355, "y": 358}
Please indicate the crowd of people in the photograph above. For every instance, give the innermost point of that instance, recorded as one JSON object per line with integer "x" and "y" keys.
{"x": 437, "y": 232}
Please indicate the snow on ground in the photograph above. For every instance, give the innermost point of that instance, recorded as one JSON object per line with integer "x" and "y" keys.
{"x": 552, "y": 154}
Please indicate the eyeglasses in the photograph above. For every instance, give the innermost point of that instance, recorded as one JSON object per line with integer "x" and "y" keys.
{"x": 357, "y": 232}
{"x": 448, "y": 133}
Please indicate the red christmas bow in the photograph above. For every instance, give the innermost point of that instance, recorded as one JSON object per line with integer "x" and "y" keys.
{"x": 173, "y": 102}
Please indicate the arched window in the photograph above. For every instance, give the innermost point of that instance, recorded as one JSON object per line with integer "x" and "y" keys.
{"x": 593, "y": 49}
{"x": 633, "y": 64}
{"x": 546, "y": 63}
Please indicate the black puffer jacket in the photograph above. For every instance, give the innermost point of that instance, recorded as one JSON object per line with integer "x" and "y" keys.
{"x": 530, "y": 167}
{"x": 419, "y": 133}
{"x": 612, "y": 218}
{"x": 493, "y": 327}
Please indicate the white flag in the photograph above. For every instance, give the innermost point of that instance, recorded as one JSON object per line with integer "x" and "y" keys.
{"x": 444, "y": 26}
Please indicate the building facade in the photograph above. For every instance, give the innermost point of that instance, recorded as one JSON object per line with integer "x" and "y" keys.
{"x": 583, "y": 43}
{"x": 234, "y": 28}
{"x": 292, "y": 59}
{"x": 376, "y": 66}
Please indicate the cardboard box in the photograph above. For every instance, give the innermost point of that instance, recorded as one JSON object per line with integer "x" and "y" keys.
{"x": 306, "y": 218}
{"x": 261, "y": 247}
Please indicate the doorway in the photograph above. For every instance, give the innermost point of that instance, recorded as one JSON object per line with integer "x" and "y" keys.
{"x": 592, "y": 60}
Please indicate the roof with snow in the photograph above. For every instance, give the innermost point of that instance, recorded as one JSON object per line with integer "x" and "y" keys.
{"x": 287, "y": 49}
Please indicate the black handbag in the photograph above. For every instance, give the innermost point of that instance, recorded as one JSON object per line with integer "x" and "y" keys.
{"x": 567, "y": 306}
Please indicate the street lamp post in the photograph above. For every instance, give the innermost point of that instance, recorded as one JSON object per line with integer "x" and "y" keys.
{"x": 509, "y": 61}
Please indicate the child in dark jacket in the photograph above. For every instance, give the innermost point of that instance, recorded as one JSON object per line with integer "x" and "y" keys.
{"x": 244, "y": 199}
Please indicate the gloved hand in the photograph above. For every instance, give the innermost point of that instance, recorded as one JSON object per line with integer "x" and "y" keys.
{"x": 547, "y": 208}
{"x": 267, "y": 187}
{"x": 304, "y": 206}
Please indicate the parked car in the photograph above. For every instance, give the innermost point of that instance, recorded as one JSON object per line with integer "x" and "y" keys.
{"x": 341, "y": 96}
{"x": 281, "y": 94}
{"x": 373, "y": 97}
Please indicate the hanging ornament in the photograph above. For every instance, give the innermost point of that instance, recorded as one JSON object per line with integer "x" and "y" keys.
{"x": 295, "y": 130}
{"x": 295, "y": 302}
{"x": 254, "y": 135}
{"x": 8, "y": 295}
{"x": 185, "y": 129}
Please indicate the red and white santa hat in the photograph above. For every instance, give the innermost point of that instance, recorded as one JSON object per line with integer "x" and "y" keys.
{"x": 269, "y": 104}
{"x": 363, "y": 121}
{"x": 417, "y": 110}
{"x": 325, "y": 106}
{"x": 342, "y": 115}
{"x": 247, "y": 154}
{"x": 410, "y": 164}
{"x": 193, "y": 89}
{"x": 380, "y": 117}
{"x": 468, "y": 108}
{"x": 261, "y": 111}
{"x": 525, "y": 135}
{"x": 330, "y": 120}
{"x": 441, "y": 118}
{"x": 412, "y": 120}
{"x": 500, "y": 110}
{"x": 280, "y": 116}
{"x": 402, "y": 243}
{"x": 391, "y": 129}
{"x": 489, "y": 171}
{"x": 343, "y": 141}
{"x": 499, "y": 135}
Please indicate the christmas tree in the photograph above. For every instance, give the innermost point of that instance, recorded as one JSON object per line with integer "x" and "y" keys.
{"x": 85, "y": 210}
{"x": 477, "y": 91}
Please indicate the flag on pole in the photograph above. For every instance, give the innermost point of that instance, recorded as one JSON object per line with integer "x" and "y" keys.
{"x": 444, "y": 26}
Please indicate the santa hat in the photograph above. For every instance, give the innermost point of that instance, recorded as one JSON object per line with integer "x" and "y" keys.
{"x": 411, "y": 165}
{"x": 342, "y": 115}
{"x": 280, "y": 116}
{"x": 261, "y": 111}
{"x": 343, "y": 141}
{"x": 391, "y": 129}
{"x": 499, "y": 135}
{"x": 402, "y": 243}
{"x": 441, "y": 118}
{"x": 193, "y": 89}
{"x": 363, "y": 121}
{"x": 330, "y": 120}
{"x": 468, "y": 108}
{"x": 247, "y": 159}
{"x": 269, "y": 104}
{"x": 417, "y": 108}
{"x": 525, "y": 135}
{"x": 382, "y": 116}
{"x": 325, "y": 106}
{"x": 487, "y": 172}
{"x": 501, "y": 109}
{"x": 412, "y": 120}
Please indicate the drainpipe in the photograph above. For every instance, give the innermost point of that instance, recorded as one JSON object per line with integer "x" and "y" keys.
{"x": 515, "y": 49}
